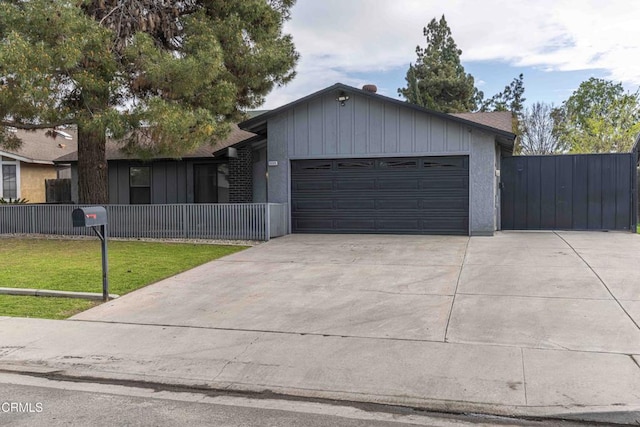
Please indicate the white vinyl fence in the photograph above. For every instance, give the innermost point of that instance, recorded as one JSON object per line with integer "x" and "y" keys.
{"x": 246, "y": 221}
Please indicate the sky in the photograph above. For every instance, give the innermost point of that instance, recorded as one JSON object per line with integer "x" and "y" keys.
{"x": 556, "y": 44}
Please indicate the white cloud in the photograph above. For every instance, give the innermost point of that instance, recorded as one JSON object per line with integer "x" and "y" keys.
{"x": 338, "y": 38}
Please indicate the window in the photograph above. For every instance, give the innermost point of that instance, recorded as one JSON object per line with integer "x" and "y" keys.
{"x": 317, "y": 165}
{"x": 445, "y": 162}
{"x": 140, "y": 185}
{"x": 9, "y": 182}
{"x": 211, "y": 183}
{"x": 355, "y": 164}
{"x": 399, "y": 164}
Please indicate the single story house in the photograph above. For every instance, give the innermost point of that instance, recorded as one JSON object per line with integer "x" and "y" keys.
{"x": 23, "y": 171}
{"x": 345, "y": 160}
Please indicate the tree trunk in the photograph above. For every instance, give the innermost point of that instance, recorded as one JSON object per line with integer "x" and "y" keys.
{"x": 93, "y": 181}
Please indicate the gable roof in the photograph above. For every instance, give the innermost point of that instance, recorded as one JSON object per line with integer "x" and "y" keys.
{"x": 38, "y": 147}
{"x": 113, "y": 151}
{"x": 258, "y": 124}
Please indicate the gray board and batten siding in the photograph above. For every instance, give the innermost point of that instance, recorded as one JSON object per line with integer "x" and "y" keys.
{"x": 373, "y": 126}
{"x": 172, "y": 181}
{"x": 570, "y": 192}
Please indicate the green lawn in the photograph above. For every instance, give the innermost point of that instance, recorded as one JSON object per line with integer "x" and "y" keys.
{"x": 74, "y": 265}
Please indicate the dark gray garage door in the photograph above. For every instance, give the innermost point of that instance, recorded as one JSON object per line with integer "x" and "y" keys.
{"x": 427, "y": 195}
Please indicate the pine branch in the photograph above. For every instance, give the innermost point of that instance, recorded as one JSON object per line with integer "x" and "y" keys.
{"x": 32, "y": 126}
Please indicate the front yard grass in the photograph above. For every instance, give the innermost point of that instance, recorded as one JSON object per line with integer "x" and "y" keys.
{"x": 74, "y": 265}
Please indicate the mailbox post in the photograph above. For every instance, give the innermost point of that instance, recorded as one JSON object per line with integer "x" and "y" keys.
{"x": 96, "y": 218}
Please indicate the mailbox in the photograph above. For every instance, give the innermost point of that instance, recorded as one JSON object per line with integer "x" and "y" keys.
{"x": 89, "y": 217}
{"x": 96, "y": 218}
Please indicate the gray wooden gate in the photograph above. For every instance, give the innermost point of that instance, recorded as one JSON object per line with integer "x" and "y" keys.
{"x": 569, "y": 192}
{"x": 58, "y": 190}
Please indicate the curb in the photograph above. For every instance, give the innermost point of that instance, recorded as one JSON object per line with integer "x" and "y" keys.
{"x": 380, "y": 403}
{"x": 58, "y": 294}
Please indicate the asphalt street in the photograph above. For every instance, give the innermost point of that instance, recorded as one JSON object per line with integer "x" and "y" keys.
{"x": 33, "y": 402}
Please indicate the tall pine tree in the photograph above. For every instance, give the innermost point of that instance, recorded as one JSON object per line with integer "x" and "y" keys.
{"x": 438, "y": 80}
{"x": 510, "y": 99}
{"x": 162, "y": 76}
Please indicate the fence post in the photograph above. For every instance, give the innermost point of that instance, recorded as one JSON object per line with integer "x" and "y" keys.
{"x": 634, "y": 188}
{"x": 267, "y": 228}
{"x": 185, "y": 221}
{"x": 32, "y": 222}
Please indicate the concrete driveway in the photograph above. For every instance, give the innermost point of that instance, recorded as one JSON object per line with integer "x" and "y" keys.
{"x": 540, "y": 290}
{"x": 529, "y": 324}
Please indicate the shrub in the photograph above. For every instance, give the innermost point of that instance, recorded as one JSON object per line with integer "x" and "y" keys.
{"x": 11, "y": 201}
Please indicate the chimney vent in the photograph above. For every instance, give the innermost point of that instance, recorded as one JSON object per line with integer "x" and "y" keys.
{"x": 370, "y": 88}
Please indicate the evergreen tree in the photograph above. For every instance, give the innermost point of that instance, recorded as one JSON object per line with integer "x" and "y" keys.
{"x": 510, "y": 99}
{"x": 438, "y": 80}
{"x": 164, "y": 77}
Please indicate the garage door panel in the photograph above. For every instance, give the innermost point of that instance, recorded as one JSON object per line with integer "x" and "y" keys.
{"x": 444, "y": 183}
{"x": 399, "y": 163}
{"x": 452, "y": 205}
{"x": 355, "y": 164}
{"x": 312, "y": 224}
{"x": 313, "y": 204}
{"x": 397, "y": 204}
{"x": 354, "y": 224}
{"x": 390, "y": 195}
{"x": 398, "y": 184}
{"x": 355, "y": 204}
{"x": 355, "y": 184}
{"x": 446, "y": 162}
{"x": 397, "y": 224}
{"x": 450, "y": 224}
{"x": 311, "y": 166}
{"x": 312, "y": 185}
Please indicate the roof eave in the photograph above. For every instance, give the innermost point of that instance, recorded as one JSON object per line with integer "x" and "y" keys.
{"x": 257, "y": 138}
{"x": 25, "y": 159}
{"x": 63, "y": 159}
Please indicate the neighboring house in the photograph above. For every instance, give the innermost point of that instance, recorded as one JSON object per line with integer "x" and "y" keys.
{"x": 197, "y": 177}
{"x": 23, "y": 171}
{"x": 352, "y": 161}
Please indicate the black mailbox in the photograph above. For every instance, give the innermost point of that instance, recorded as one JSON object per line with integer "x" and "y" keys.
{"x": 96, "y": 218}
{"x": 89, "y": 217}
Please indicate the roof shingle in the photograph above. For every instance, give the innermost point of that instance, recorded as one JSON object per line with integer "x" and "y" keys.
{"x": 37, "y": 146}
{"x": 206, "y": 151}
{"x": 502, "y": 120}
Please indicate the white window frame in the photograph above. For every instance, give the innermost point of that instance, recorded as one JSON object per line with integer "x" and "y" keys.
{"x": 15, "y": 163}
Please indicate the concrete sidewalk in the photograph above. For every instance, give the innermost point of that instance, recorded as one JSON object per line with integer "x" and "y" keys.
{"x": 437, "y": 376}
{"x": 522, "y": 324}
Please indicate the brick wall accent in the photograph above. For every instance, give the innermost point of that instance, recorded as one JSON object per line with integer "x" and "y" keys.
{"x": 241, "y": 177}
